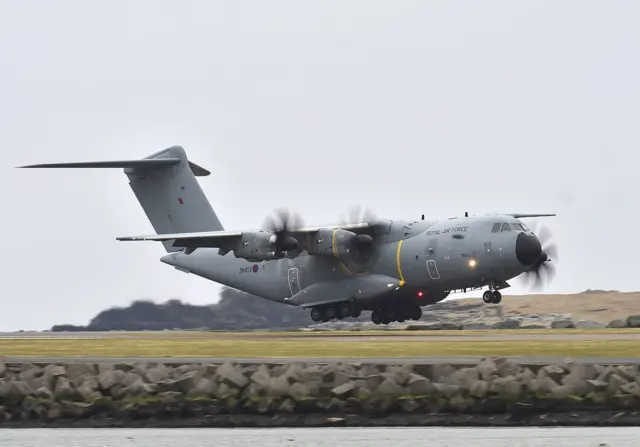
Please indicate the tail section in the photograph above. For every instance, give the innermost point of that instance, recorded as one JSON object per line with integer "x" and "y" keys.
{"x": 165, "y": 184}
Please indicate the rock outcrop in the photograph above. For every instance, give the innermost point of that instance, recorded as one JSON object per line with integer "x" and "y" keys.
{"x": 120, "y": 393}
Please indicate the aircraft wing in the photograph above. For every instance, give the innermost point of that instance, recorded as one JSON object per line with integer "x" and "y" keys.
{"x": 190, "y": 240}
{"x": 215, "y": 238}
{"x": 351, "y": 227}
{"x": 518, "y": 216}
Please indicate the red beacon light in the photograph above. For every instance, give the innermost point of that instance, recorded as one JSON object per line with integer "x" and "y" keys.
{"x": 419, "y": 294}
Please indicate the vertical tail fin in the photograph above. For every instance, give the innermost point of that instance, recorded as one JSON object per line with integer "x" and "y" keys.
{"x": 165, "y": 184}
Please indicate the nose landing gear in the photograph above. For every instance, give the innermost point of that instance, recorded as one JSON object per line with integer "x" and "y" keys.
{"x": 492, "y": 297}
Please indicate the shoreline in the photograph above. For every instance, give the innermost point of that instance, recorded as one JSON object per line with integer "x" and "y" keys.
{"x": 603, "y": 418}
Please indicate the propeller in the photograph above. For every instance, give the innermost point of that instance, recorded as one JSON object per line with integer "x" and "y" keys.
{"x": 542, "y": 272}
{"x": 362, "y": 243}
{"x": 279, "y": 223}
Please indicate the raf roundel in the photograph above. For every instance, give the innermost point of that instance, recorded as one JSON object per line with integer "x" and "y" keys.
{"x": 255, "y": 268}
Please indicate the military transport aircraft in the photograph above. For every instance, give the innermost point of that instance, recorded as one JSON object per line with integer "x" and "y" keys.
{"x": 392, "y": 268}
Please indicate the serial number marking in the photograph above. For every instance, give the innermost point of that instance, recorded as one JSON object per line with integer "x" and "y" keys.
{"x": 447, "y": 231}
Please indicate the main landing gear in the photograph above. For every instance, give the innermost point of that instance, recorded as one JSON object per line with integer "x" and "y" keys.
{"x": 492, "y": 297}
{"x": 399, "y": 314}
{"x": 340, "y": 311}
{"x": 336, "y": 311}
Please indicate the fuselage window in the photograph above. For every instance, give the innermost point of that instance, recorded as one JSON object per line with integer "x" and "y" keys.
{"x": 506, "y": 227}
{"x": 496, "y": 228}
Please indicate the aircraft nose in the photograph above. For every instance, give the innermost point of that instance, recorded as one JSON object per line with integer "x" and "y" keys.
{"x": 528, "y": 249}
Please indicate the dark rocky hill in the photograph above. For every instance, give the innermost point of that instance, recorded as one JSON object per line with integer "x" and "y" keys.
{"x": 235, "y": 310}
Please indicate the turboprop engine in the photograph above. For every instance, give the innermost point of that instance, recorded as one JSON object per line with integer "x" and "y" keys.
{"x": 263, "y": 246}
{"x": 339, "y": 243}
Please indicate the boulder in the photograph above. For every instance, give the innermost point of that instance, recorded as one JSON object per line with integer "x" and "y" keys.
{"x": 440, "y": 371}
{"x": 344, "y": 390}
{"x": 555, "y": 372}
{"x": 507, "y": 367}
{"x": 588, "y": 324}
{"x": 389, "y": 388}
{"x": 563, "y": 324}
{"x": 475, "y": 327}
{"x": 487, "y": 368}
{"x": 446, "y": 390}
{"x": 633, "y": 321}
{"x": 157, "y": 374}
{"x": 419, "y": 385}
{"x": 463, "y": 377}
{"x": 618, "y": 324}
{"x": 77, "y": 369}
{"x": 506, "y": 324}
{"x": 479, "y": 389}
{"x": 231, "y": 375}
{"x": 13, "y": 391}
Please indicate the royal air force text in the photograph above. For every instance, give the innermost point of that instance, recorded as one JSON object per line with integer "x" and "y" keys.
{"x": 447, "y": 231}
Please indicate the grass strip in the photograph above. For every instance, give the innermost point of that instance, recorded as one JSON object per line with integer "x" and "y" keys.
{"x": 176, "y": 347}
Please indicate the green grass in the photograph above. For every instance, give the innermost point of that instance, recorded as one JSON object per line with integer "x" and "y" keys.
{"x": 312, "y": 347}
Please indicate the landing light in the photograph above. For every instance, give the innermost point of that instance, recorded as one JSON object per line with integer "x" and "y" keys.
{"x": 472, "y": 263}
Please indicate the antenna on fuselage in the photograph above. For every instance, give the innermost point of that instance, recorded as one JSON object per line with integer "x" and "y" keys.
{"x": 466, "y": 214}
{"x": 423, "y": 217}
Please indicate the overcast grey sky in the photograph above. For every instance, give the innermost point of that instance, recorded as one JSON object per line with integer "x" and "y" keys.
{"x": 405, "y": 107}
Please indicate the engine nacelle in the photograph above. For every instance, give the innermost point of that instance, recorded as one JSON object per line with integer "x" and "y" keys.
{"x": 256, "y": 247}
{"x": 332, "y": 243}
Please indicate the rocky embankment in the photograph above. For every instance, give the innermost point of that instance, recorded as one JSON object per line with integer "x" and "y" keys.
{"x": 493, "y": 392}
{"x": 454, "y": 315}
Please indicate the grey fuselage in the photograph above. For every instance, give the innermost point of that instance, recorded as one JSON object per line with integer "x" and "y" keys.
{"x": 432, "y": 257}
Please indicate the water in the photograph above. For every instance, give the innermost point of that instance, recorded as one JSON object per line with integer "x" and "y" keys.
{"x": 323, "y": 437}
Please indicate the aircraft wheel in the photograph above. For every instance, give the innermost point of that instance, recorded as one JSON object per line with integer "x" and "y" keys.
{"x": 487, "y": 297}
{"x": 330, "y": 312}
{"x": 387, "y": 316}
{"x": 355, "y": 311}
{"x": 416, "y": 313}
{"x": 496, "y": 297}
{"x": 401, "y": 315}
{"x": 344, "y": 310}
{"x": 316, "y": 315}
{"x": 376, "y": 318}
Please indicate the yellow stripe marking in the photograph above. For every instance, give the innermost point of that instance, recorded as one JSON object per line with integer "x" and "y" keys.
{"x": 398, "y": 263}
{"x": 334, "y": 249}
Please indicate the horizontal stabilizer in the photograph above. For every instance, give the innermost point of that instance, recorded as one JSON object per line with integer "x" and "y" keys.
{"x": 189, "y": 240}
{"x": 144, "y": 164}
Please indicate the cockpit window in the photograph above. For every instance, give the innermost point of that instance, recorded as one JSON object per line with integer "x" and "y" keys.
{"x": 506, "y": 227}
{"x": 496, "y": 228}
{"x": 517, "y": 227}
{"x": 524, "y": 227}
